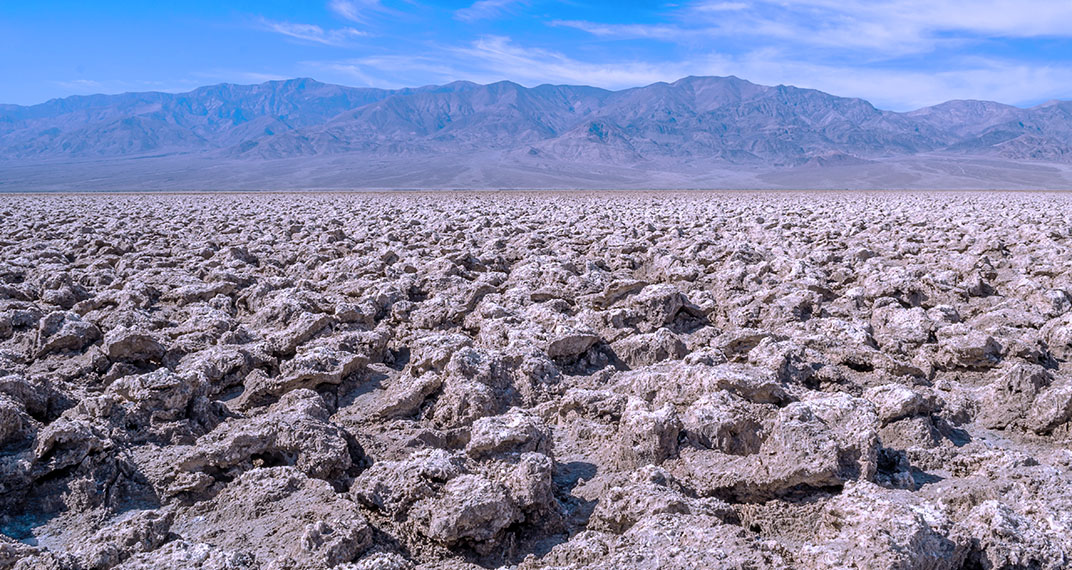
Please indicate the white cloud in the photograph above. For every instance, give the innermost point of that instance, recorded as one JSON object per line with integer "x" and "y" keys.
{"x": 82, "y": 85}
{"x": 232, "y": 75}
{"x": 722, "y": 6}
{"x": 393, "y": 71}
{"x": 494, "y": 58}
{"x": 354, "y": 10}
{"x": 353, "y": 73}
{"x": 499, "y": 56}
{"x": 894, "y": 26}
{"x": 92, "y": 86}
{"x": 885, "y": 28}
{"x": 258, "y": 77}
{"x": 1007, "y": 82}
{"x": 484, "y": 9}
{"x": 1004, "y": 18}
{"x": 313, "y": 33}
{"x": 631, "y": 31}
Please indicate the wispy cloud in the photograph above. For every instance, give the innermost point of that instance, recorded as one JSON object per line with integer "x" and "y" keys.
{"x": 81, "y": 85}
{"x": 313, "y": 33}
{"x": 398, "y": 71}
{"x": 352, "y": 73}
{"x": 260, "y": 77}
{"x": 498, "y": 55}
{"x": 873, "y": 50}
{"x": 722, "y": 6}
{"x": 667, "y": 32}
{"x": 906, "y": 89}
{"x": 887, "y": 28}
{"x": 1010, "y": 82}
{"x": 898, "y": 27}
{"x": 232, "y": 75}
{"x": 92, "y": 86}
{"x": 1006, "y": 18}
{"x": 484, "y": 9}
{"x": 354, "y": 10}
{"x": 492, "y": 58}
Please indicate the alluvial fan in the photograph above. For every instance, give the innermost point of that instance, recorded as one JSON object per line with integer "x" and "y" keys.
{"x": 536, "y": 380}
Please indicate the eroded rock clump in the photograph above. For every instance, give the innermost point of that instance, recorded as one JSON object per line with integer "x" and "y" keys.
{"x": 535, "y": 381}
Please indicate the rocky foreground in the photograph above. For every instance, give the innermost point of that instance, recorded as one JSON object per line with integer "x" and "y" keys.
{"x": 536, "y": 381}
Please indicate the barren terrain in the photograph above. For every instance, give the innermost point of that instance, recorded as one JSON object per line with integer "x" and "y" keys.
{"x": 695, "y": 133}
{"x": 536, "y": 380}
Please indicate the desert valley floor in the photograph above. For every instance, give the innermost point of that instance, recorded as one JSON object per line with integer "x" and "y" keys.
{"x": 536, "y": 381}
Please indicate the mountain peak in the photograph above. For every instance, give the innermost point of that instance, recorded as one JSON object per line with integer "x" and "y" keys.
{"x": 692, "y": 79}
{"x": 696, "y": 122}
{"x": 1053, "y": 103}
{"x": 299, "y": 83}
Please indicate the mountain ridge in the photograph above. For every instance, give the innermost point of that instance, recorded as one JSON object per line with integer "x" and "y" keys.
{"x": 695, "y": 124}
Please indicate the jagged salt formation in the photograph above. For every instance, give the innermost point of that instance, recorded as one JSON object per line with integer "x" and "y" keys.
{"x": 536, "y": 381}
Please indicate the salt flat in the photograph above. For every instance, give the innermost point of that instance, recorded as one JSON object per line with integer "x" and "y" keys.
{"x": 536, "y": 380}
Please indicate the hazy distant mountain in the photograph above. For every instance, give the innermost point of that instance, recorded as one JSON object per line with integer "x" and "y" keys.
{"x": 699, "y": 131}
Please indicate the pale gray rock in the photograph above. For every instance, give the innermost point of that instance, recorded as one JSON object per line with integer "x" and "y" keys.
{"x": 433, "y": 352}
{"x": 647, "y": 437}
{"x": 645, "y": 349}
{"x": 181, "y": 555}
{"x": 66, "y": 442}
{"x": 786, "y": 361}
{"x": 464, "y": 401}
{"x": 406, "y": 395}
{"x": 134, "y": 533}
{"x": 901, "y": 328}
{"x": 1051, "y": 409}
{"x": 745, "y": 380}
{"x": 13, "y": 422}
{"x": 469, "y": 508}
{"x": 567, "y": 343}
{"x": 379, "y": 561}
{"x": 125, "y": 344}
{"x": 331, "y": 543}
{"x": 325, "y": 529}
{"x": 681, "y": 384}
{"x": 999, "y": 537}
{"x": 64, "y": 331}
{"x": 654, "y": 493}
{"x": 673, "y": 541}
{"x": 294, "y": 431}
{"x": 911, "y": 433}
{"x": 656, "y": 306}
{"x": 725, "y": 422}
{"x": 964, "y": 347}
{"x": 817, "y": 443}
{"x": 158, "y": 395}
{"x": 307, "y": 325}
{"x": 867, "y": 527}
{"x": 1057, "y": 333}
{"x": 394, "y": 486}
{"x": 512, "y": 433}
{"x": 309, "y": 368}
{"x": 530, "y": 483}
{"x": 1011, "y": 396}
{"x": 893, "y": 402}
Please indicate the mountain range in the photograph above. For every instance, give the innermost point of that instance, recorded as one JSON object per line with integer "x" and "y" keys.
{"x": 698, "y": 132}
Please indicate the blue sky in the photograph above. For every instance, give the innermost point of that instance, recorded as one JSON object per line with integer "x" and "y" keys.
{"x": 899, "y": 54}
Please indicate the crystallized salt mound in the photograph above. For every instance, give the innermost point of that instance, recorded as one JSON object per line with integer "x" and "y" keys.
{"x": 618, "y": 380}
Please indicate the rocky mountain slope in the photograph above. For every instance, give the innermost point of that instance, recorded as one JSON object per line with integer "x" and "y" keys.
{"x": 697, "y": 124}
